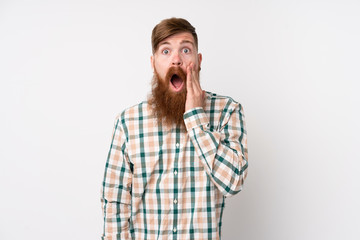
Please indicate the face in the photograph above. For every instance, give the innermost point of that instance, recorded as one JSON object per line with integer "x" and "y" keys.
{"x": 176, "y": 51}
{"x": 169, "y": 63}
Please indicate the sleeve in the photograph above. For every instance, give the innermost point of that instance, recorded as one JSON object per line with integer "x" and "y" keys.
{"x": 116, "y": 188}
{"x": 223, "y": 153}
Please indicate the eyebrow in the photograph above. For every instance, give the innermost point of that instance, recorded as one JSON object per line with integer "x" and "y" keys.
{"x": 182, "y": 42}
{"x": 187, "y": 41}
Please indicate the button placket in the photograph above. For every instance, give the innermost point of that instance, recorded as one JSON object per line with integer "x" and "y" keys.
{"x": 175, "y": 177}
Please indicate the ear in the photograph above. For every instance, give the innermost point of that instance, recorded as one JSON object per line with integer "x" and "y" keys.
{"x": 199, "y": 59}
{"x": 152, "y": 62}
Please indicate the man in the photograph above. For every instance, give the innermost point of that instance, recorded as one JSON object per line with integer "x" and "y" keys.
{"x": 175, "y": 157}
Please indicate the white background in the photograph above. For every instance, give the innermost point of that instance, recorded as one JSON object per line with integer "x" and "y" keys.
{"x": 68, "y": 67}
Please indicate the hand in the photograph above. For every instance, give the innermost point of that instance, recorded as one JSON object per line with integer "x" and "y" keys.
{"x": 195, "y": 95}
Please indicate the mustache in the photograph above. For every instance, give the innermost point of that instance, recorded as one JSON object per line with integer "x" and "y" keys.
{"x": 175, "y": 71}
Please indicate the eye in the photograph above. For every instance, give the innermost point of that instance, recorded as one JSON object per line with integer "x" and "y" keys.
{"x": 186, "y": 50}
{"x": 165, "y": 51}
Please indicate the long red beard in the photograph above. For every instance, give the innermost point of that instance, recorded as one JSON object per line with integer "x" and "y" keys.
{"x": 168, "y": 106}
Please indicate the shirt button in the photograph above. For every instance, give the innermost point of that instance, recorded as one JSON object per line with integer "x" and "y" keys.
{"x": 174, "y": 230}
{"x": 175, "y": 201}
{"x": 175, "y": 172}
{"x": 177, "y": 145}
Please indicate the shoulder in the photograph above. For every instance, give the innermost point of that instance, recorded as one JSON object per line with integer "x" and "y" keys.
{"x": 221, "y": 109}
{"x": 133, "y": 113}
{"x": 221, "y": 103}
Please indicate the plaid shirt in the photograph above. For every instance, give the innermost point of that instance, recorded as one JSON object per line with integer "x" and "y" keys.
{"x": 171, "y": 182}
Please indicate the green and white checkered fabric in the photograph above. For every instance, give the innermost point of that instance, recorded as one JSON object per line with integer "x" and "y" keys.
{"x": 171, "y": 182}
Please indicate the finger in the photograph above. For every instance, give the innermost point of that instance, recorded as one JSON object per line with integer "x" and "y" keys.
{"x": 189, "y": 82}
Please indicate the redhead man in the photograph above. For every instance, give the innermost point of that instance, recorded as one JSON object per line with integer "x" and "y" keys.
{"x": 175, "y": 157}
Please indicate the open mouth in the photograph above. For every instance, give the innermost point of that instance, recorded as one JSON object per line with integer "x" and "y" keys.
{"x": 176, "y": 82}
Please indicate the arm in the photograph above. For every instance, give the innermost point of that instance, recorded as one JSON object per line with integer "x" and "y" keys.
{"x": 116, "y": 188}
{"x": 223, "y": 153}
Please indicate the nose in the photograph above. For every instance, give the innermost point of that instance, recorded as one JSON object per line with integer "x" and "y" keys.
{"x": 176, "y": 60}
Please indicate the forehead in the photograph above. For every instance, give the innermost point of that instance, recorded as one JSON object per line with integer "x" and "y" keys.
{"x": 179, "y": 38}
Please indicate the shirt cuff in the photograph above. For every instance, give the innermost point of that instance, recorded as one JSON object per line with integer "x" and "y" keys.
{"x": 195, "y": 117}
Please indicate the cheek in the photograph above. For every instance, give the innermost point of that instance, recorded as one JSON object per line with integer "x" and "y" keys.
{"x": 192, "y": 59}
{"x": 161, "y": 70}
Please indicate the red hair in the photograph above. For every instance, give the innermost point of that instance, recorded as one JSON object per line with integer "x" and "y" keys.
{"x": 169, "y": 27}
